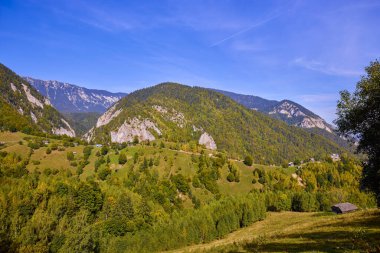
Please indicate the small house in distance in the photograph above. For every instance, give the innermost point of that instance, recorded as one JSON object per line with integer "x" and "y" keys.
{"x": 343, "y": 208}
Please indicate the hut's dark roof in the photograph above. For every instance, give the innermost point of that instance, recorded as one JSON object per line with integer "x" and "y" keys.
{"x": 345, "y": 207}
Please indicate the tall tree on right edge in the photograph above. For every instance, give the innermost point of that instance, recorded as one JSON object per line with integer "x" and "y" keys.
{"x": 359, "y": 116}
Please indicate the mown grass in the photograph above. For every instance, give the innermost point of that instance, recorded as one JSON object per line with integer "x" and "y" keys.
{"x": 303, "y": 232}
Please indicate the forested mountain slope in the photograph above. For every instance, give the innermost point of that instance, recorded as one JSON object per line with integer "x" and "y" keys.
{"x": 194, "y": 115}
{"x": 22, "y": 108}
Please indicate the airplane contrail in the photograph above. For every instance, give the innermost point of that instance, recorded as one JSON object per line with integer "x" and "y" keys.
{"x": 244, "y": 30}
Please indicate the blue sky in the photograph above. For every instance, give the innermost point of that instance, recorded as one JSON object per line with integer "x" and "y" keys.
{"x": 306, "y": 50}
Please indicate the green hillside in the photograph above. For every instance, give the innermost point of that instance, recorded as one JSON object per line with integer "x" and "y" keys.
{"x": 58, "y": 196}
{"x": 22, "y": 108}
{"x": 186, "y": 112}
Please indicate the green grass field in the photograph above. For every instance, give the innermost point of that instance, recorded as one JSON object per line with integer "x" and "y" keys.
{"x": 303, "y": 232}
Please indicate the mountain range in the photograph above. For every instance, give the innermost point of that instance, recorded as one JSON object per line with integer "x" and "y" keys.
{"x": 238, "y": 124}
{"x": 70, "y": 98}
{"x": 194, "y": 115}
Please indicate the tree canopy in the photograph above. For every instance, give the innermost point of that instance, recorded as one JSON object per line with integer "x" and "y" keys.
{"x": 359, "y": 117}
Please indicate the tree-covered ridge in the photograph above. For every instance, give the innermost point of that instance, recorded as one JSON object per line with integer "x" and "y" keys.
{"x": 23, "y": 108}
{"x": 235, "y": 129}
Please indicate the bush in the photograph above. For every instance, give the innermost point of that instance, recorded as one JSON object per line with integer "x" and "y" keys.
{"x": 231, "y": 177}
{"x": 304, "y": 202}
{"x": 122, "y": 158}
{"x": 103, "y": 173}
{"x": 104, "y": 150}
{"x": 278, "y": 202}
{"x": 48, "y": 151}
{"x": 70, "y": 156}
{"x": 248, "y": 160}
{"x": 79, "y": 170}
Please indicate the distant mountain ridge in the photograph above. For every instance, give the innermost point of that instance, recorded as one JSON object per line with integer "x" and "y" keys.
{"x": 71, "y": 98}
{"x": 285, "y": 110}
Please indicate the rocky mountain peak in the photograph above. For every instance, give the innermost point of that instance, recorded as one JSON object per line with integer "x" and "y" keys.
{"x": 67, "y": 97}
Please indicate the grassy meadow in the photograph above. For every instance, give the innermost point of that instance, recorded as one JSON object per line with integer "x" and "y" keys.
{"x": 302, "y": 232}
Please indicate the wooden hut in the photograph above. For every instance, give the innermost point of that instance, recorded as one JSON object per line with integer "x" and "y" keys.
{"x": 343, "y": 208}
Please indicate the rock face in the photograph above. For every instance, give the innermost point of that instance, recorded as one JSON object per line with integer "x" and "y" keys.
{"x": 309, "y": 122}
{"x": 89, "y": 135}
{"x": 288, "y": 109}
{"x": 135, "y": 127}
{"x": 34, "y": 101}
{"x": 64, "y": 131}
{"x": 108, "y": 116}
{"x": 71, "y": 98}
{"x": 207, "y": 141}
{"x": 299, "y": 116}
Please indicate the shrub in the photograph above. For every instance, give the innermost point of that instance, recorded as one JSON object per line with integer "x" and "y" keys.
{"x": 231, "y": 177}
{"x": 248, "y": 160}
{"x": 104, "y": 150}
{"x": 103, "y": 173}
{"x": 70, "y": 156}
{"x": 122, "y": 158}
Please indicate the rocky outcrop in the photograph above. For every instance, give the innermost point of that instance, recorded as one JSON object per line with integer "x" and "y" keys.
{"x": 288, "y": 109}
{"x": 13, "y": 87}
{"x": 309, "y": 122}
{"x": 33, "y": 100}
{"x": 135, "y": 127}
{"x": 108, "y": 116}
{"x": 89, "y": 135}
{"x": 171, "y": 115}
{"x": 64, "y": 130}
{"x": 207, "y": 141}
{"x": 298, "y": 116}
{"x": 34, "y": 118}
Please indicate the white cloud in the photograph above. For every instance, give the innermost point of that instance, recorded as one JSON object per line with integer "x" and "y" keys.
{"x": 324, "y": 68}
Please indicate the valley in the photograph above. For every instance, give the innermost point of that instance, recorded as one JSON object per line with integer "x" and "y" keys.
{"x": 172, "y": 167}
